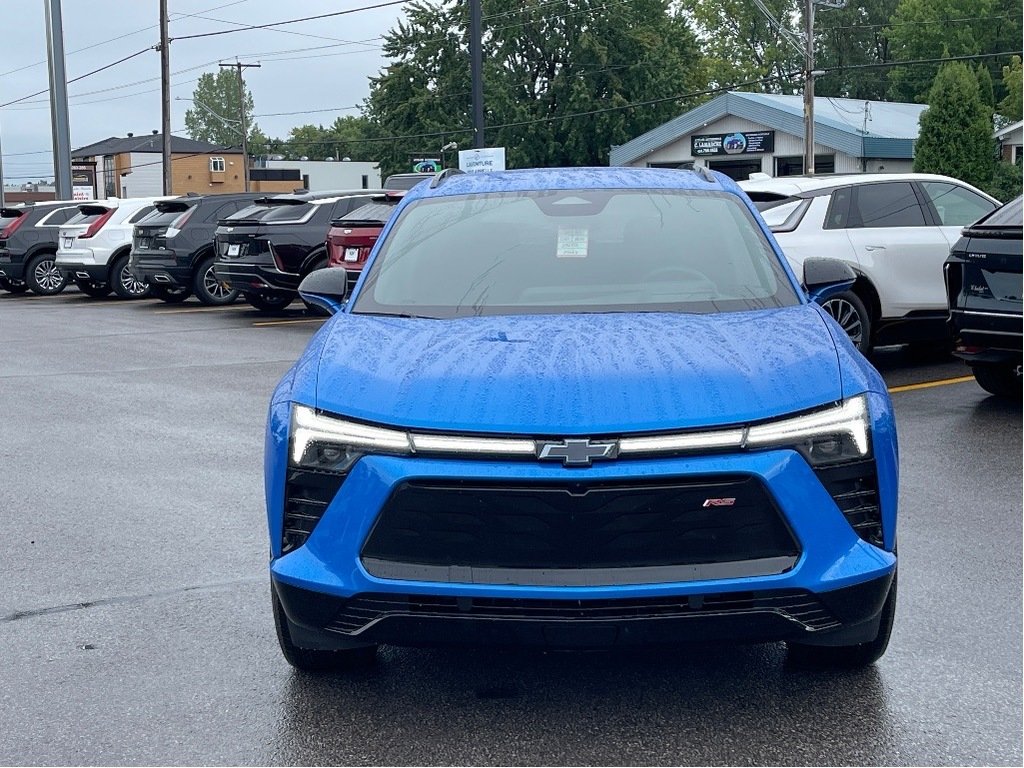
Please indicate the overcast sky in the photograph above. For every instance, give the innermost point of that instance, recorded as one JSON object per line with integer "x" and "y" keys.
{"x": 126, "y": 97}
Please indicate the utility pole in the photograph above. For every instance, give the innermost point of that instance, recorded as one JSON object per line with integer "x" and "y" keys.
{"x": 809, "y": 88}
{"x": 245, "y": 130}
{"x": 165, "y": 91}
{"x": 476, "y": 71}
{"x": 1, "y": 177}
{"x": 58, "y": 100}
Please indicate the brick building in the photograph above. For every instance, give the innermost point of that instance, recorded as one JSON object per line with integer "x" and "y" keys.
{"x": 133, "y": 167}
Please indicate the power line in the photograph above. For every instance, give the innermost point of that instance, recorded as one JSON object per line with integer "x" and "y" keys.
{"x": 81, "y": 77}
{"x": 291, "y": 21}
{"x": 888, "y": 25}
{"x": 916, "y": 62}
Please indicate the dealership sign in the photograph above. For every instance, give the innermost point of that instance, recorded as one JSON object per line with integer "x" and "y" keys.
{"x": 739, "y": 143}
{"x": 475, "y": 160}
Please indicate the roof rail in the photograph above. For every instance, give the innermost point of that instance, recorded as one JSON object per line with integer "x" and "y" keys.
{"x": 439, "y": 179}
{"x": 706, "y": 174}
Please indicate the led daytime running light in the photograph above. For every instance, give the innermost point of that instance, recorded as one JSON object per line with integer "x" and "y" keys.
{"x": 850, "y": 418}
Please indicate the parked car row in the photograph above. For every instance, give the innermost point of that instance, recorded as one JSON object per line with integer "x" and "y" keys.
{"x": 894, "y": 230}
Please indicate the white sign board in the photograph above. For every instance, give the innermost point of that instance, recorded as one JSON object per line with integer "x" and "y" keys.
{"x": 473, "y": 160}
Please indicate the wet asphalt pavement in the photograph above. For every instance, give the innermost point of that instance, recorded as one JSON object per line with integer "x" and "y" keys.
{"x": 135, "y": 619}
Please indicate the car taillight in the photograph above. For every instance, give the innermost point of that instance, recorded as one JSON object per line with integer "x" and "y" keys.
{"x": 12, "y": 227}
{"x": 97, "y": 225}
{"x": 179, "y": 223}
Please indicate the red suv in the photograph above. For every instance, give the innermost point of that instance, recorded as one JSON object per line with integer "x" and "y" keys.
{"x": 351, "y": 237}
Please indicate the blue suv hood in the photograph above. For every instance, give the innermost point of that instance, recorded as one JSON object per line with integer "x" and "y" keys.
{"x": 583, "y": 374}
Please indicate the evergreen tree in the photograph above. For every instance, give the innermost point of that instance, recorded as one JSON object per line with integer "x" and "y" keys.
{"x": 956, "y": 129}
{"x": 1010, "y": 108}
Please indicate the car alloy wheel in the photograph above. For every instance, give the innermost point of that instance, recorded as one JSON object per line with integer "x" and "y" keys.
{"x": 215, "y": 287}
{"x": 126, "y": 284}
{"x": 47, "y": 277}
{"x": 847, "y": 310}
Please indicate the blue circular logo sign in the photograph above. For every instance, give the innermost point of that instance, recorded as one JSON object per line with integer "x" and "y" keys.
{"x": 734, "y": 143}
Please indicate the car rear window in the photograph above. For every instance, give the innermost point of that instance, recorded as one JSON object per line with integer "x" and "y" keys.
{"x": 582, "y": 250}
{"x": 1007, "y": 216}
{"x": 165, "y": 214}
{"x": 275, "y": 213}
{"x": 370, "y": 212}
{"x": 87, "y": 214}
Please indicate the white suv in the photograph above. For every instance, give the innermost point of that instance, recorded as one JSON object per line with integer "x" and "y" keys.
{"x": 94, "y": 246}
{"x": 895, "y": 230}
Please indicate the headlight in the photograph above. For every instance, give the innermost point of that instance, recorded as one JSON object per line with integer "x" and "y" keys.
{"x": 830, "y": 436}
{"x": 325, "y": 443}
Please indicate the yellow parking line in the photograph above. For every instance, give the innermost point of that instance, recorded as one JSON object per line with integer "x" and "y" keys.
{"x": 290, "y": 322}
{"x": 196, "y": 309}
{"x": 930, "y": 384}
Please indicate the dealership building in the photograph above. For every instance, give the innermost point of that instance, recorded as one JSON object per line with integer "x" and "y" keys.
{"x": 743, "y": 133}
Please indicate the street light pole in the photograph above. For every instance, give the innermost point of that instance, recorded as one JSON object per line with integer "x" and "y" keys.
{"x": 58, "y": 99}
{"x": 809, "y": 88}
{"x": 165, "y": 101}
{"x": 241, "y": 107}
{"x": 476, "y": 71}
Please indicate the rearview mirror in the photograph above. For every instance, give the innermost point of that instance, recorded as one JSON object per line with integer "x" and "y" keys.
{"x": 824, "y": 278}
{"x": 325, "y": 288}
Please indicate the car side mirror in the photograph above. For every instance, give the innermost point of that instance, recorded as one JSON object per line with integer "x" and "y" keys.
{"x": 824, "y": 278}
{"x": 325, "y": 288}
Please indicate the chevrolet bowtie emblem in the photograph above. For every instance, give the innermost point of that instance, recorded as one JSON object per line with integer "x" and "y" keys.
{"x": 577, "y": 453}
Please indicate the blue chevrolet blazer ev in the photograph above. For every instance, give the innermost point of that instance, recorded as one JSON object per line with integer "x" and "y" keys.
{"x": 580, "y": 408}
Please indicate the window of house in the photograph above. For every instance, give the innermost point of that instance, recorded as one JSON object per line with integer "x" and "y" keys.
{"x": 217, "y": 164}
{"x": 794, "y": 166}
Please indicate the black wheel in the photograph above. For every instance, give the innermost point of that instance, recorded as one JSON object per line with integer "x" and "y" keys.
{"x": 208, "y": 289}
{"x": 7, "y": 285}
{"x": 43, "y": 277}
{"x": 174, "y": 295}
{"x": 124, "y": 282}
{"x": 93, "y": 290}
{"x": 269, "y": 302}
{"x": 315, "y": 660}
{"x": 848, "y": 656}
{"x": 849, "y": 311}
{"x": 1000, "y": 380}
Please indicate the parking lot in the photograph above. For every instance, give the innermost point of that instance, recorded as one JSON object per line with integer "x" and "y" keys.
{"x": 135, "y": 616}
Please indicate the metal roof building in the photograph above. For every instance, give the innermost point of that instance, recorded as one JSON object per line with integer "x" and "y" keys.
{"x": 742, "y": 133}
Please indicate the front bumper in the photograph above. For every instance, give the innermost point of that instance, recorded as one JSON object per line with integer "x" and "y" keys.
{"x": 335, "y": 595}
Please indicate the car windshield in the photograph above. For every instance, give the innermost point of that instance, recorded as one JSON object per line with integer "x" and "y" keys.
{"x": 583, "y": 250}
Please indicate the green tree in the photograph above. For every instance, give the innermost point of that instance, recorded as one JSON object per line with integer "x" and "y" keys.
{"x": 1006, "y": 181}
{"x": 740, "y": 44}
{"x": 852, "y": 37}
{"x": 956, "y": 129}
{"x": 215, "y": 115}
{"x": 1010, "y": 108}
{"x": 928, "y": 29}
{"x": 345, "y": 137}
{"x": 542, "y": 62}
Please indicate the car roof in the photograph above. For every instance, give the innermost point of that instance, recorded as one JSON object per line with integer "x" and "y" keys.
{"x": 795, "y": 186}
{"x": 529, "y": 179}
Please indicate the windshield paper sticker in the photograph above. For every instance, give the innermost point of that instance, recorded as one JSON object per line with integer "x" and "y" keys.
{"x": 572, "y": 243}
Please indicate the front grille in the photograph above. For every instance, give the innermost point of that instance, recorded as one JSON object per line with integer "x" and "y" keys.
{"x": 855, "y": 490}
{"x": 306, "y": 496}
{"x": 589, "y": 526}
{"x": 362, "y": 610}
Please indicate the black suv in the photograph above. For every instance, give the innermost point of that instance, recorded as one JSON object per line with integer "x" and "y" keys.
{"x": 983, "y": 287}
{"x": 28, "y": 246}
{"x": 173, "y": 249}
{"x": 265, "y": 250}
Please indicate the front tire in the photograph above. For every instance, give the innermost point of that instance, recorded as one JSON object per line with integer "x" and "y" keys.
{"x": 848, "y": 656}
{"x": 208, "y": 289}
{"x": 999, "y": 380}
{"x": 849, "y": 311}
{"x": 124, "y": 282}
{"x": 269, "y": 302}
{"x": 316, "y": 660}
{"x": 93, "y": 290}
{"x": 174, "y": 295}
{"x": 42, "y": 276}
{"x": 16, "y": 288}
